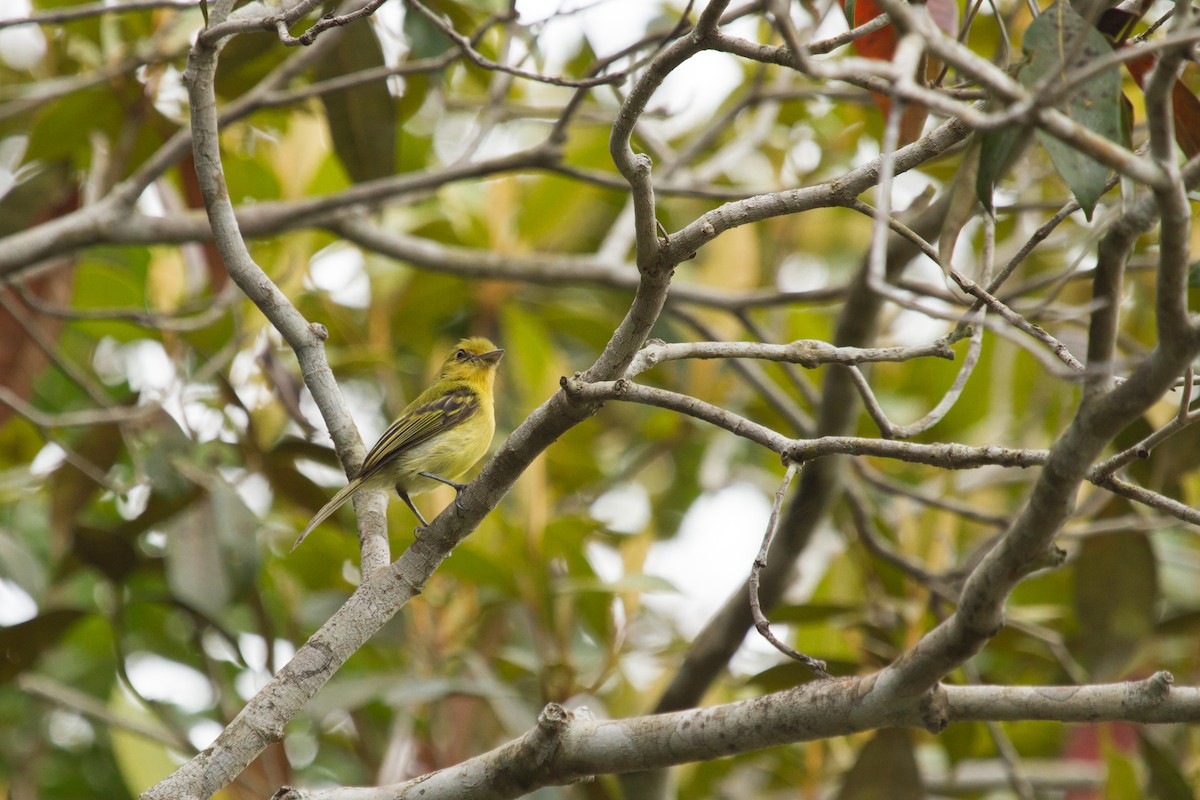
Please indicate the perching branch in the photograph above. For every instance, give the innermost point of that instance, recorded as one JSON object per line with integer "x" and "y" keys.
{"x": 384, "y": 590}
{"x": 641, "y": 257}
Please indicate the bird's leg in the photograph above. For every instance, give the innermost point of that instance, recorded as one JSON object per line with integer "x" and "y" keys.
{"x": 458, "y": 487}
{"x": 408, "y": 502}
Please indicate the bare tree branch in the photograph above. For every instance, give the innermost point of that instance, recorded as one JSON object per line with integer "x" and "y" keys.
{"x": 566, "y": 746}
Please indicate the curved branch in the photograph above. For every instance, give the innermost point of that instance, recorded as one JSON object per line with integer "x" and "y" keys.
{"x": 839, "y": 192}
{"x": 87, "y": 10}
{"x": 946, "y": 456}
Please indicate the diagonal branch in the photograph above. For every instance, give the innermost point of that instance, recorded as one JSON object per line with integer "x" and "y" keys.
{"x": 385, "y": 589}
{"x": 1029, "y": 541}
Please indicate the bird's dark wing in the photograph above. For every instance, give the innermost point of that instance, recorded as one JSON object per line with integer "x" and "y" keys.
{"x": 421, "y": 422}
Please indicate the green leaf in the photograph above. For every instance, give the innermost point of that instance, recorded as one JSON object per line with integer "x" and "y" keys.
{"x": 809, "y": 613}
{"x": 362, "y": 118}
{"x": 245, "y": 62}
{"x": 632, "y": 582}
{"x": 21, "y": 644}
{"x": 793, "y": 673}
{"x": 1122, "y": 782}
{"x": 885, "y": 770}
{"x": 1193, "y": 280}
{"x": 1186, "y": 623}
{"x": 64, "y": 130}
{"x": 426, "y": 39}
{"x": 477, "y": 569}
{"x": 109, "y": 551}
{"x": 1116, "y": 591}
{"x": 196, "y": 571}
{"x": 142, "y": 761}
{"x": 71, "y": 489}
{"x": 46, "y": 192}
{"x": 1167, "y": 782}
{"x": 996, "y": 154}
{"x": 1057, "y": 35}
{"x": 209, "y": 555}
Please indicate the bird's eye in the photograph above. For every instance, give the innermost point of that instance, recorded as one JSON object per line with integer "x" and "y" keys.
{"x": 461, "y": 355}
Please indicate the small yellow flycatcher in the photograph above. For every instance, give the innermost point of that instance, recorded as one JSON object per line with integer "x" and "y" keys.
{"x": 437, "y": 438}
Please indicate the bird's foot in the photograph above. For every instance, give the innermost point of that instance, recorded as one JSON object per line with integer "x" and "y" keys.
{"x": 408, "y": 502}
{"x": 458, "y": 487}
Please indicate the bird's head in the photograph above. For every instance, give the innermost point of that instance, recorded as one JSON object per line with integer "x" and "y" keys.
{"x": 472, "y": 360}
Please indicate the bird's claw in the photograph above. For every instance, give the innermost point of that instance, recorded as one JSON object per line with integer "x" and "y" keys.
{"x": 458, "y": 488}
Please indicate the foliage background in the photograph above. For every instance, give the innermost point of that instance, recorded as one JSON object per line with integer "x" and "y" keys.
{"x": 151, "y": 547}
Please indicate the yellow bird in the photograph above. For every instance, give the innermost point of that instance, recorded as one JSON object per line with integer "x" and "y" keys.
{"x": 440, "y": 436}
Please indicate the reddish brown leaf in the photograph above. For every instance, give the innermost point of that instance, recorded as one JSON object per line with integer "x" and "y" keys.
{"x": 21, "y": 360}
{"x": 1183, "y": 101}
{"x": 1084, "y": 743}
{"x": 881, "y": 46}
{"x": 944, "y": 14}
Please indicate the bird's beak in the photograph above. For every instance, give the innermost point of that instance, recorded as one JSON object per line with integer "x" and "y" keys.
{"x": 491, "y": 357}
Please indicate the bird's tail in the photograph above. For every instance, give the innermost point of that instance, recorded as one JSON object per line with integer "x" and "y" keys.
{"x": 330, "y": 507}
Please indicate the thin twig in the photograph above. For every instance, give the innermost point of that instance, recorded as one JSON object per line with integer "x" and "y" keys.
{"x": 756, "y": 376}
{"x": 949, "y": 456}
{"x": 1149, "y": 498}
{"x": 324, "y": 24}
{"x": 43, "y": 343}
{"x": 1185, "y": 399}
{"x": 73, "y": 699}
{"x": 969, "y": 512}
{"x": 196, "y": 316}
{"x": 477, "y": 58}
{"x": 74, "y": 419}
{"x": 801, "y": 382}
{"x": 880, "y": 548}
{"x": 86, "y": 10}
{"x": 761, "y": 623}
{"x": 993, "y": 303}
